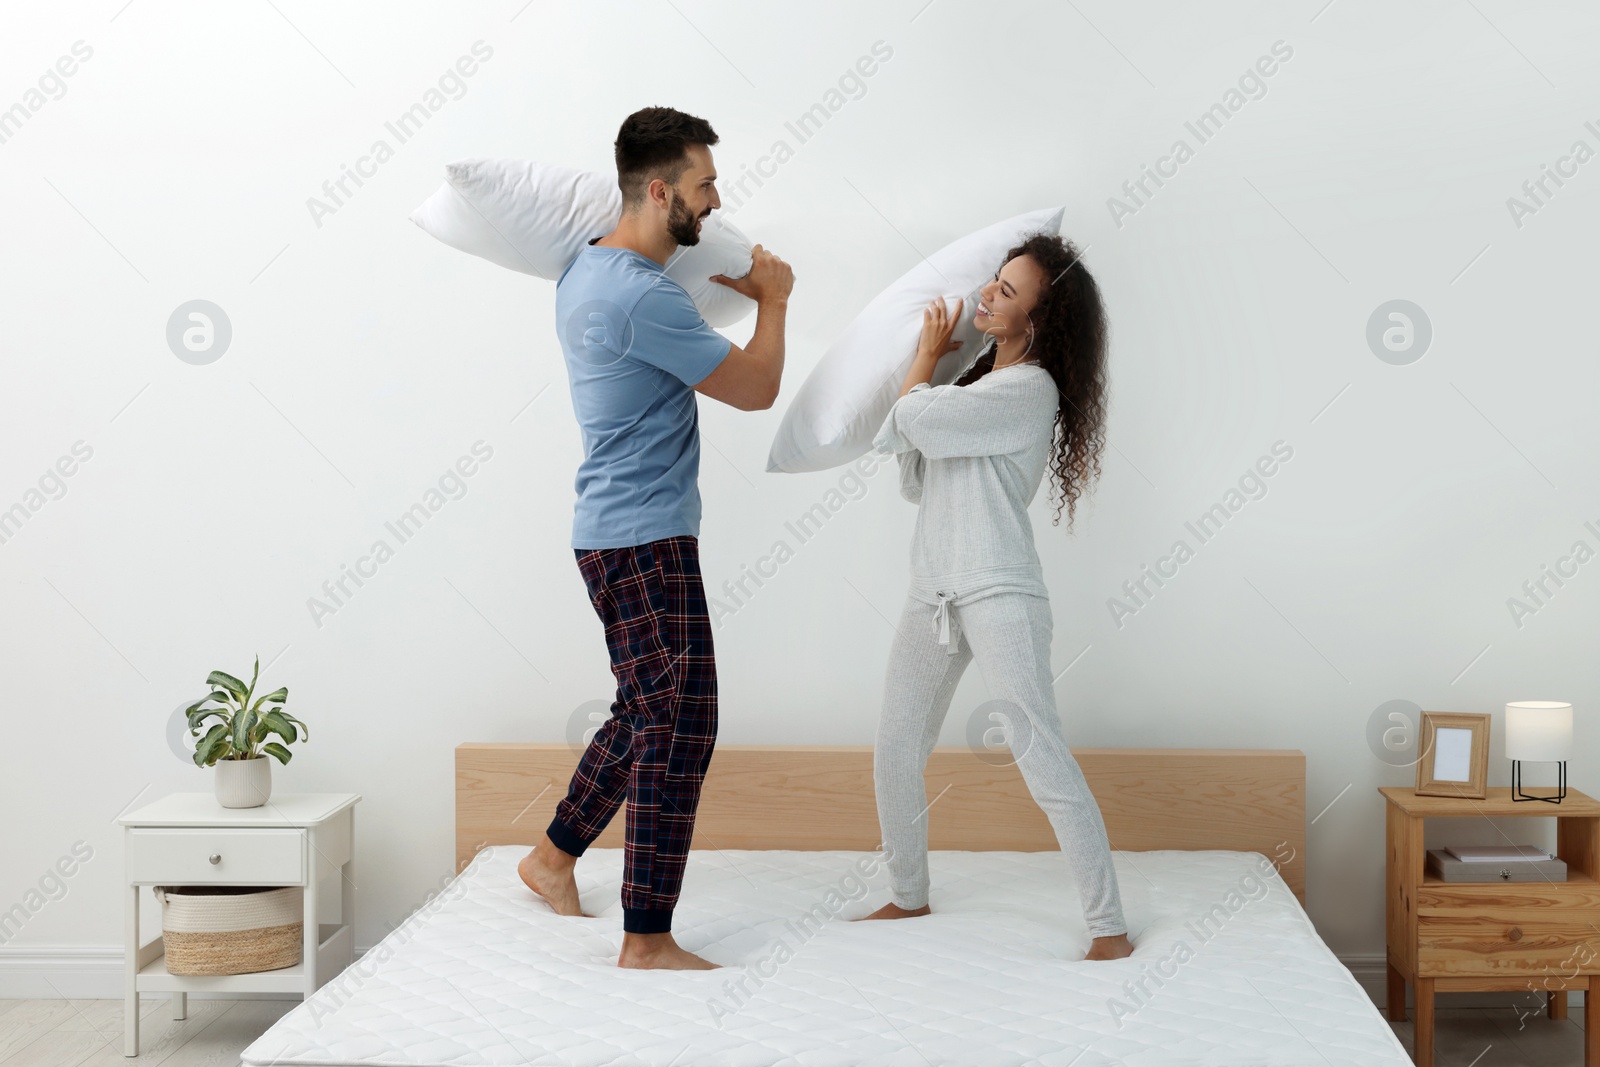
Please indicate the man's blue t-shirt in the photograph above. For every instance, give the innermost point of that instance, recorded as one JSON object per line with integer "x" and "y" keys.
{"x": 635, "y": 346}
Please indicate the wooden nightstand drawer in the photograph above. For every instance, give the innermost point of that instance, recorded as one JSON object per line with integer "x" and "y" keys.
{"x": 1506, "y": 940}
{"x": 242, "y": 857}
{"x": 1577, "y": 892}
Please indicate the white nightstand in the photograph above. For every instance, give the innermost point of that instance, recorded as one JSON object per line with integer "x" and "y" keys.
{"x": 189, "y": 839}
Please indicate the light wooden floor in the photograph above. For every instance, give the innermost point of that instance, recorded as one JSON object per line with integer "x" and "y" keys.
{"x": 1497, "y": 1037}
{"x": 88, "y": 1033}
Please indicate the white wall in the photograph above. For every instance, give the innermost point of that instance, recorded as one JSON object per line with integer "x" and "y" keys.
{"x": 366, "y": 358}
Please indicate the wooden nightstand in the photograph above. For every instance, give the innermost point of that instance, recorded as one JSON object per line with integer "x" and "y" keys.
{"x": 1455, "y": 936}
{"x": 303, "y": 839}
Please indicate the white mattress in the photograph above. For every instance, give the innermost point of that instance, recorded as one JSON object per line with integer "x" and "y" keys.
{"x": 485, "y": 974}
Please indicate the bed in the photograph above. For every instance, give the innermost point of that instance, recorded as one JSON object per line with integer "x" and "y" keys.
{"x": 1210, "y": 855}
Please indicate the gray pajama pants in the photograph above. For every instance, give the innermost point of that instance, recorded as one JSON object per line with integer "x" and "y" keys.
{"x": 1009, "y": 635}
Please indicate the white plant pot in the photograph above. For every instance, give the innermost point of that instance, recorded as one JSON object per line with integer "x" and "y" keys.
{"x": 243, "y": 783}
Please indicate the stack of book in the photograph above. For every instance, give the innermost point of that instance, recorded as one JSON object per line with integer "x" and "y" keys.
{"x": 1495, "y": 863}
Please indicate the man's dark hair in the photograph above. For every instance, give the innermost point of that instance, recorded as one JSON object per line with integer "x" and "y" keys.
{"x": 654, "y": 143}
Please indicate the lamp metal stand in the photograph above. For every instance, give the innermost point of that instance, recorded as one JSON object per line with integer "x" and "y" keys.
{"x": 1516, "y": 784}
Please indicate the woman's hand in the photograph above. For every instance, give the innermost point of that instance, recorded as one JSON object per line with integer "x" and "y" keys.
{"x": 937, "y": 326}
{"x": 934, "y": 344}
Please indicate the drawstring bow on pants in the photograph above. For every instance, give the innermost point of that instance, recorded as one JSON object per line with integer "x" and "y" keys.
{"x": 941, "y": 623}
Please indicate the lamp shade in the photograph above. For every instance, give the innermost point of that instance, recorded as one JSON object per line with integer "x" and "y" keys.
{"x": 1538, "y": 731}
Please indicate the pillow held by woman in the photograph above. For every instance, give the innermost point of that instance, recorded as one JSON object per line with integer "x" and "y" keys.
{"x": 843, "y": 402}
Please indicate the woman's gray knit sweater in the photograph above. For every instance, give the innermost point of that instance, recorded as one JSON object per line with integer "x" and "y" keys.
{"x": 973, "y": 456}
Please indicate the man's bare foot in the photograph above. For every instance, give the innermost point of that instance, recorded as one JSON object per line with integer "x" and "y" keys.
{"x": 894, "y": 911}
{"x": 548, "y": 872}
{"x": 659, "y": 952}
{"x": 1110, "y": 948}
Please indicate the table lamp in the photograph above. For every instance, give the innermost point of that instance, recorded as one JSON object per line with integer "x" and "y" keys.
{"x": 1538, "y": 731}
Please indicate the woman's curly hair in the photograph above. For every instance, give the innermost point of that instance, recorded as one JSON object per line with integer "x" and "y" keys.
{"x": 1069, "y": 341}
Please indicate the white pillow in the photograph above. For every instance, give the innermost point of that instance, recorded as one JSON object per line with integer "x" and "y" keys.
{"x": 843, "y": 402}
{"x": 535, "y": 217}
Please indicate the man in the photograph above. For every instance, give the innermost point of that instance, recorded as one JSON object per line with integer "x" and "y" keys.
{"x": 637, "y": 351}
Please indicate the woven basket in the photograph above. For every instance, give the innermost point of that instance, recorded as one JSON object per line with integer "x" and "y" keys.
{"x": 230, "y": 929}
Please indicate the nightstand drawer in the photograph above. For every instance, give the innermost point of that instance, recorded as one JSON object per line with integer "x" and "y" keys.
{"x": 242, "y": 857}
{"x": 1547, "y": 898}
{"x": 1491, "y": 941}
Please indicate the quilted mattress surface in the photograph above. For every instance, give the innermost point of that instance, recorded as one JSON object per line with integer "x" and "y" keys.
{"x": 1227, "y": 971}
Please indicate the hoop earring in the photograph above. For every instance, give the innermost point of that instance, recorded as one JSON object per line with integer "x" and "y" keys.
{"x": 1031, "y": 334}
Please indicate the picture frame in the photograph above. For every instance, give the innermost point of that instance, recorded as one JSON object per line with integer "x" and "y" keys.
{"x": 1454, "y": 760}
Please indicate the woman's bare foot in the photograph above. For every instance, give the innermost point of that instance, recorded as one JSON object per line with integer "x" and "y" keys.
{"x": 1110, "y": 948}
{"x": 659, "y": 952}
{"x": 894, "y": 911}
{"x": 548, "y": 872}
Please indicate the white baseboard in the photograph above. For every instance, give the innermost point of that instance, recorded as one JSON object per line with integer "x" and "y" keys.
{"x": 55, "y": 971}
{"x": 50, "y": 972}
{"x": 60, "y": 972}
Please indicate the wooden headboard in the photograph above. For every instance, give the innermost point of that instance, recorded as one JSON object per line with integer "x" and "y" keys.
{"x": 816, "y": 797}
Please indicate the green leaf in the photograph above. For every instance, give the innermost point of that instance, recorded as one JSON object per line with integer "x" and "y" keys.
{"x": 243, "y": 724}
{"x": 219, "y": 696}
{"x": 276, "y": 697}
{"x": 196, "y": 718}
{"x": 279, "y": 724}
{"x": 272, "y": 748}
{"x": 228, "y": 682}
{"x": 207, "y": 751}
{"x": 244, "y": 701}
{"x": 305, "y": 734}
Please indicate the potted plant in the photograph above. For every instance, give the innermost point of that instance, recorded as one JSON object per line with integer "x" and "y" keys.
{"x": 237, "y": 743}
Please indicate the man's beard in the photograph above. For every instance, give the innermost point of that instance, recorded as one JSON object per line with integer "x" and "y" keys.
{"x": 681, "y": 222}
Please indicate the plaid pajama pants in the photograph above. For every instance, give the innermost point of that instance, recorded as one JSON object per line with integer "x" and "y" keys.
{"x": 654, "y": 749}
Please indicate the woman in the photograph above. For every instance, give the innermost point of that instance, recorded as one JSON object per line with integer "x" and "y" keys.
{"x": 973, "y": 453}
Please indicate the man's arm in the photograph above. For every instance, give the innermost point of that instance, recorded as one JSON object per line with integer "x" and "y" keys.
{"x": 748, "y": 378}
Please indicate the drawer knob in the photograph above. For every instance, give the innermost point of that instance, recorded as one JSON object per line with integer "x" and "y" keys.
{"x": 1515, "y": 933}
{"x": 216, "y": 858}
